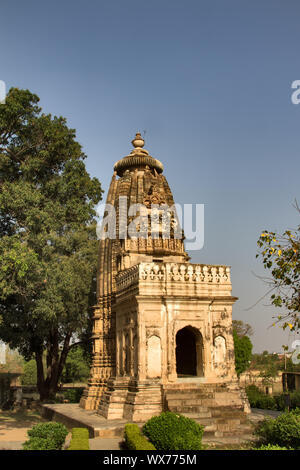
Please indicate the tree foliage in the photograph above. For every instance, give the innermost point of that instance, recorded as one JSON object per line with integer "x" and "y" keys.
{"x": 242, "y": 352}
{"x": 48, "y": 240}
{"x": 77, "y": 368}
{"x": 280, "y": 254}
{"x": 29, "y": 376}
{"x": 241, "y": 328}
{"x": 273, "y": 362}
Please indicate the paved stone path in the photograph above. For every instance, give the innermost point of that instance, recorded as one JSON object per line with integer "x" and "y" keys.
{"x": 11, "y": 445}
{"x": 258, "y": 415}
{"x": 100, "y": 443}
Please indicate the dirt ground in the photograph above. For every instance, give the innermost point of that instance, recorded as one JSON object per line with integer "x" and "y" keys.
{"x": 14, "y": 426}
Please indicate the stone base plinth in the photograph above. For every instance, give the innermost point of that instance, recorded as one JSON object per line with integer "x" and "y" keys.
{"x": 144, "y": 400}
{"x": 91, "y": 396}
{"x": 131, "y": 399}
{"x": 113, "y": 398}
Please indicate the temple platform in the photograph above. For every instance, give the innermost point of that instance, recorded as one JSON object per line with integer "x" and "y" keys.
{"x": 73, "y": 416}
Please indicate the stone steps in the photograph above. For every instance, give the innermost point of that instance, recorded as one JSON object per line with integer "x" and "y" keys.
{"x": 182, "y": 409}
{"x": 197, "y": 389}
{"x": 203, "y": 403}
{"x": 190, "y": 396}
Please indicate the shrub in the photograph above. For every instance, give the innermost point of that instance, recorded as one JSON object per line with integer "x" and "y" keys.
{"x": 48, "y": 436}
{"x": 170, "y": 431}
{"x": 252, "y": 389}
{"x": 283, "y": 431}
{"x": 73, "y": 395}
{"x": 295, "y": 399}
{"x": 280, "y": 402}
{"x": 79, "y": 444}
{"x": 271, "y": 447}
{"x": 265, "y": 430}
{"x": 257, "y": 399}
{"x": 253, "y": 394}
{"x": 266, "y": 402}
{"x": 38, "y": 443}
{"x": 80, "y": 439}
{"x": 80, "y": 433}
{"x": 135, "y": 440}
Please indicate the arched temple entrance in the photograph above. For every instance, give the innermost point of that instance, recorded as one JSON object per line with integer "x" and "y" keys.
{"x": 189, "y": 352}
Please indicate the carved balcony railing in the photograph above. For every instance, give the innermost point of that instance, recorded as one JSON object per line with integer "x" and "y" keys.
{"x": 182, "y": 275}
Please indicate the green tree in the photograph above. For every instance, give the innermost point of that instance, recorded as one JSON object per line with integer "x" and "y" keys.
{"x": 29, "y": 376}
{"x": 242, "y": 352}
{"x": 280, "y": 254}
{"x": 77, "y": 368}
{"x": 241, "y": 328}
{"x": 48, "y": 246}
{"x": 265, "y": 359}
{"x": 268, "y": 373}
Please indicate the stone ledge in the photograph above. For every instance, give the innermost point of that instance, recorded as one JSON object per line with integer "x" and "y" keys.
{"x": 71, "y": 415}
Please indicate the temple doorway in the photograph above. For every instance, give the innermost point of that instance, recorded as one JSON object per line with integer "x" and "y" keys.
{"x": 189, "y": 356}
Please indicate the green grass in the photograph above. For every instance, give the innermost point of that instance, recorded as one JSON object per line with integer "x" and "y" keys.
{"x": 80, "y": 439}
{"x": 244, "y": 446}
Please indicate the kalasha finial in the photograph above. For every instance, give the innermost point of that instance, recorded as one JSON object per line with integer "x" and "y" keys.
{"x": 138, "y": 141}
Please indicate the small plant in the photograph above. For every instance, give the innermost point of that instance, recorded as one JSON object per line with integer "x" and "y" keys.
{"x": 280, "y": 402}
{"x": 73, "y": 395}
{"x": 38, "y": 443}
{"x": 295, "y": 399}
{"x": 80, "y": 433}
{"x": 253, "y": 394}
{"x": 134, "y": 440}
{"x": 46, "y": 436}
{"x": 171, "y": 431}
{"x": 271, "y": 447}
{"x": 257, "y": 399}
{"x": 80, "y": 439}
{"x": 283, "y": 431}
{"x": 266, "y": 402}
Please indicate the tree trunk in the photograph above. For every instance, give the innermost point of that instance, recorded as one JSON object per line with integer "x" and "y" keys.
{"x": 40, "y": 375}
{"x": 48, "y": 387}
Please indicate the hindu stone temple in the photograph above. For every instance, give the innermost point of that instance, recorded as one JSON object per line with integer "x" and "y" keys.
{"x": 162, "y": 336}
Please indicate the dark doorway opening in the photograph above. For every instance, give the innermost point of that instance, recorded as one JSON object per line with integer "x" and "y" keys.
{"x": 186, "y": 353}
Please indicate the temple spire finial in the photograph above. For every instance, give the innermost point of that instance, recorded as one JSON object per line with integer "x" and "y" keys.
{"x": 138, "y": 141}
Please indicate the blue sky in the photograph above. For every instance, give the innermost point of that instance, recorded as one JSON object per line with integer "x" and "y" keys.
{"x": 209, "y": 81}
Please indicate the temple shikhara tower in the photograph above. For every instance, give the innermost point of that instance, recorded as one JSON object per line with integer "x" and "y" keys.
{"x": 162, "y": 337}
